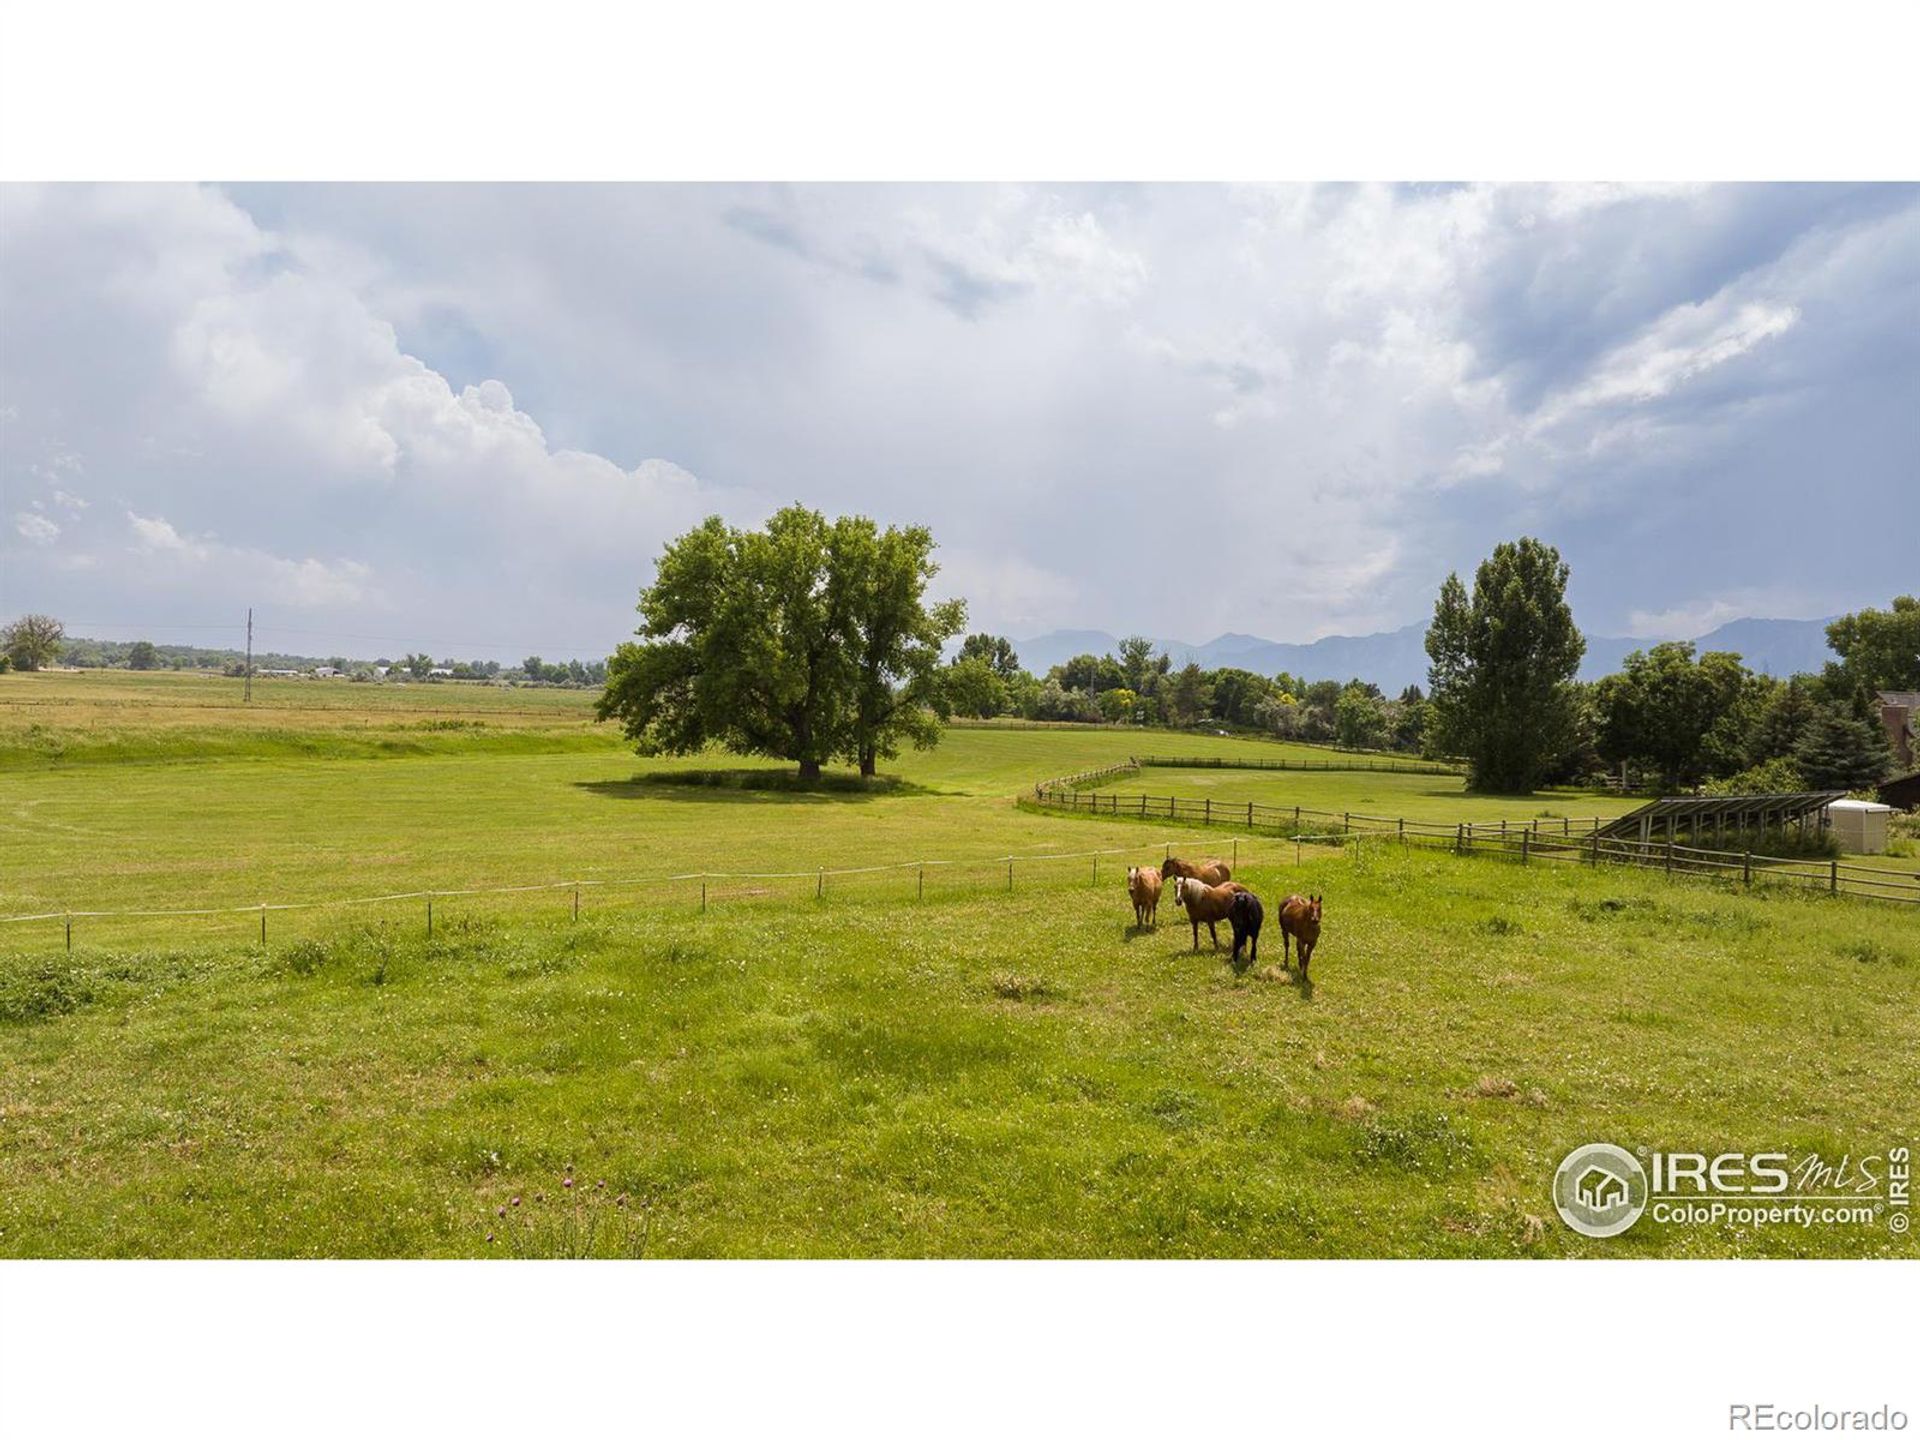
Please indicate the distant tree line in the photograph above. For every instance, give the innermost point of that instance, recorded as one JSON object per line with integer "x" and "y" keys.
{"x": 1139, "y": 686}
{"x": 35, "y": 642}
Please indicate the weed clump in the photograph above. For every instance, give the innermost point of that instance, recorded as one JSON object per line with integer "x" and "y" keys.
{"x": 1423, "y": 1142}
{"x": 578, "y": 1222}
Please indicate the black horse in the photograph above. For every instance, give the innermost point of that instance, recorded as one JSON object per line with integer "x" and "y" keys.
{"x": 1245, "y": 916}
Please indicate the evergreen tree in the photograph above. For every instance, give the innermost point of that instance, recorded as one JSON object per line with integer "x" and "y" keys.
{"x": 1843, "y": 749}
{"x": 1503, "y": 661}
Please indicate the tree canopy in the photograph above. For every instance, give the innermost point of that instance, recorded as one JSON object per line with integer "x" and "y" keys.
{"x": 1503, "y": 661}
{"x": 1878, "y": 649}
{"x": 807, "y": 640}
{"x": 33, "y": 641}
{"x": 1664, "y": 707}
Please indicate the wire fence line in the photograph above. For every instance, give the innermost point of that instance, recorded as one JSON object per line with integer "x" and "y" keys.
{"x": 820, "y": 875}
{"x": 1562, "y": 839}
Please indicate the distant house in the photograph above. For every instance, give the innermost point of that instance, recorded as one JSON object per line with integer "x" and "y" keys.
{"x": 1902, "y": 793}
{"x": 325, "y": 672}
{"x": 1900, "y": 713}
{"x": 281, "y": 674}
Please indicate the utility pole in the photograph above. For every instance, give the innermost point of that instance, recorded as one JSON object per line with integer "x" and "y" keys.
{"x": 248, "y": 698}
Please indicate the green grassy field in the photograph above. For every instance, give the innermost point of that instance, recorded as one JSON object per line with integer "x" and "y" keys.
{"x": 979, "y": 1072}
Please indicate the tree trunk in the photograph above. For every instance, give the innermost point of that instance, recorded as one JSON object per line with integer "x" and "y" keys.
{"x": 867, "y": 762}
{"x": 809, "y": 769}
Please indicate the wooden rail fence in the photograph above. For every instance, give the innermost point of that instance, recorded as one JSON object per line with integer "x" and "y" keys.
{"x": 1562, "y": 840}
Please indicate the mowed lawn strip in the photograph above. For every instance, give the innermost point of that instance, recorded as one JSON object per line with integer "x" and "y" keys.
{"x": 1014, "y": 1075}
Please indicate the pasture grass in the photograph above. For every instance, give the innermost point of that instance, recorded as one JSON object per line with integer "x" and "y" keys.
{"x": 1019, "y": 1075}
{"x": 964, "y": 1070}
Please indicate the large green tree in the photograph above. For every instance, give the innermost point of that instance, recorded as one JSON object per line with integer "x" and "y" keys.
{"x": 1845, "y": 748}
{"x": 1785, "y": 717}
{"x": 1664, "y": 707}
{"x": 1189, "y": 696}
{"x": 995, "y": 650}
{"x": 974, "y": 688}
{"x": 1237, "y": 695}
{"x": 33, "y": 641}
{"x": 805, "y": 641}
{"x": 879, "y": 581}
{"x": 1359, "y": 722}
{"x": 1878, "y": 649}
{"x": 1503, "y": 661}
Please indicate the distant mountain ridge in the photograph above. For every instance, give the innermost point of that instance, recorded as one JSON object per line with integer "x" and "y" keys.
{"x": 1395, "y": 659}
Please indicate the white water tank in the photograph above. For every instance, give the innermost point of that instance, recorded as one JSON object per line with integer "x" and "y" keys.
{"x": 1859, "y": 825}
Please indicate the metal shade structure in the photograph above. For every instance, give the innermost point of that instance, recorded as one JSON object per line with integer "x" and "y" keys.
{"x": 1719, "y": 815}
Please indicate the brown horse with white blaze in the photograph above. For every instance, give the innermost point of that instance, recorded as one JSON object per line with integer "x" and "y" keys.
{"x": 1300, "y": 920}
{"x": 1205, "y": 904}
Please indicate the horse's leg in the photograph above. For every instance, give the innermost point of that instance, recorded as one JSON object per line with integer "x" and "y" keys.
{"x": 1196, "y": 934}
{"x": 1212, "y": 933}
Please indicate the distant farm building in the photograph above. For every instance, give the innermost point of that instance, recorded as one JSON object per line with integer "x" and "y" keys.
{"x": 1900, "y": 713}
{"x": 1902, "y": 793}
{"x": 1720, "y": 821}
{"x": 1860, "y": 826}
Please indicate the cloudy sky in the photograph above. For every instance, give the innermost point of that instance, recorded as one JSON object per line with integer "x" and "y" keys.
{"x": 465, "y": 418}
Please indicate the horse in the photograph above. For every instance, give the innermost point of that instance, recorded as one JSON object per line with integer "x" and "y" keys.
{"x": 1245, "y": 914}
{"x": 1143, "y": 884}
{"x": 1300, "y": 919}
{"x": 1205, "y": 904}
{"x": 1207, "y": 872}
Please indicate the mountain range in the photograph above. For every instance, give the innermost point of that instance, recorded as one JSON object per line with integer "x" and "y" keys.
{"x": 1396, "y": 659}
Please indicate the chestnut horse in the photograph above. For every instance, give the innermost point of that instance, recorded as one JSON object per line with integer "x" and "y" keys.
{"x": 1205, "y": 904}
{"x": 1300, "y": 919}
{"x": 1207, "y": 872}
{"x": 1143, "y": 885}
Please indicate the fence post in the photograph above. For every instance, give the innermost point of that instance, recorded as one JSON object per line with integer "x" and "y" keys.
{"x": 1296, "y": 819}
{"x": 1833, "y": 880}
{"x": 703, "y": 894}
{"x": 1009, "y": 874}
{"x": 1249, "y": 814}
{"x": 1208, "y": 812}
{"x": 576, "y": 903}
{"x": 1236, "y": 852}
{"x": 263, "y": 922}
{"x": 1460, "y": 839}
{"x": 1669, "y": 858}
{"x": 1346, "y": 822}
{"x": 429, "y": 916}
{"x": 820, "y": 884}
{"x": 1746, "y": 869}
{"x": 923, "y": 884}
{"x": 1403, "y": 832}
{"x": 69, "y": 932}
{"x": 1526, "y": 839}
